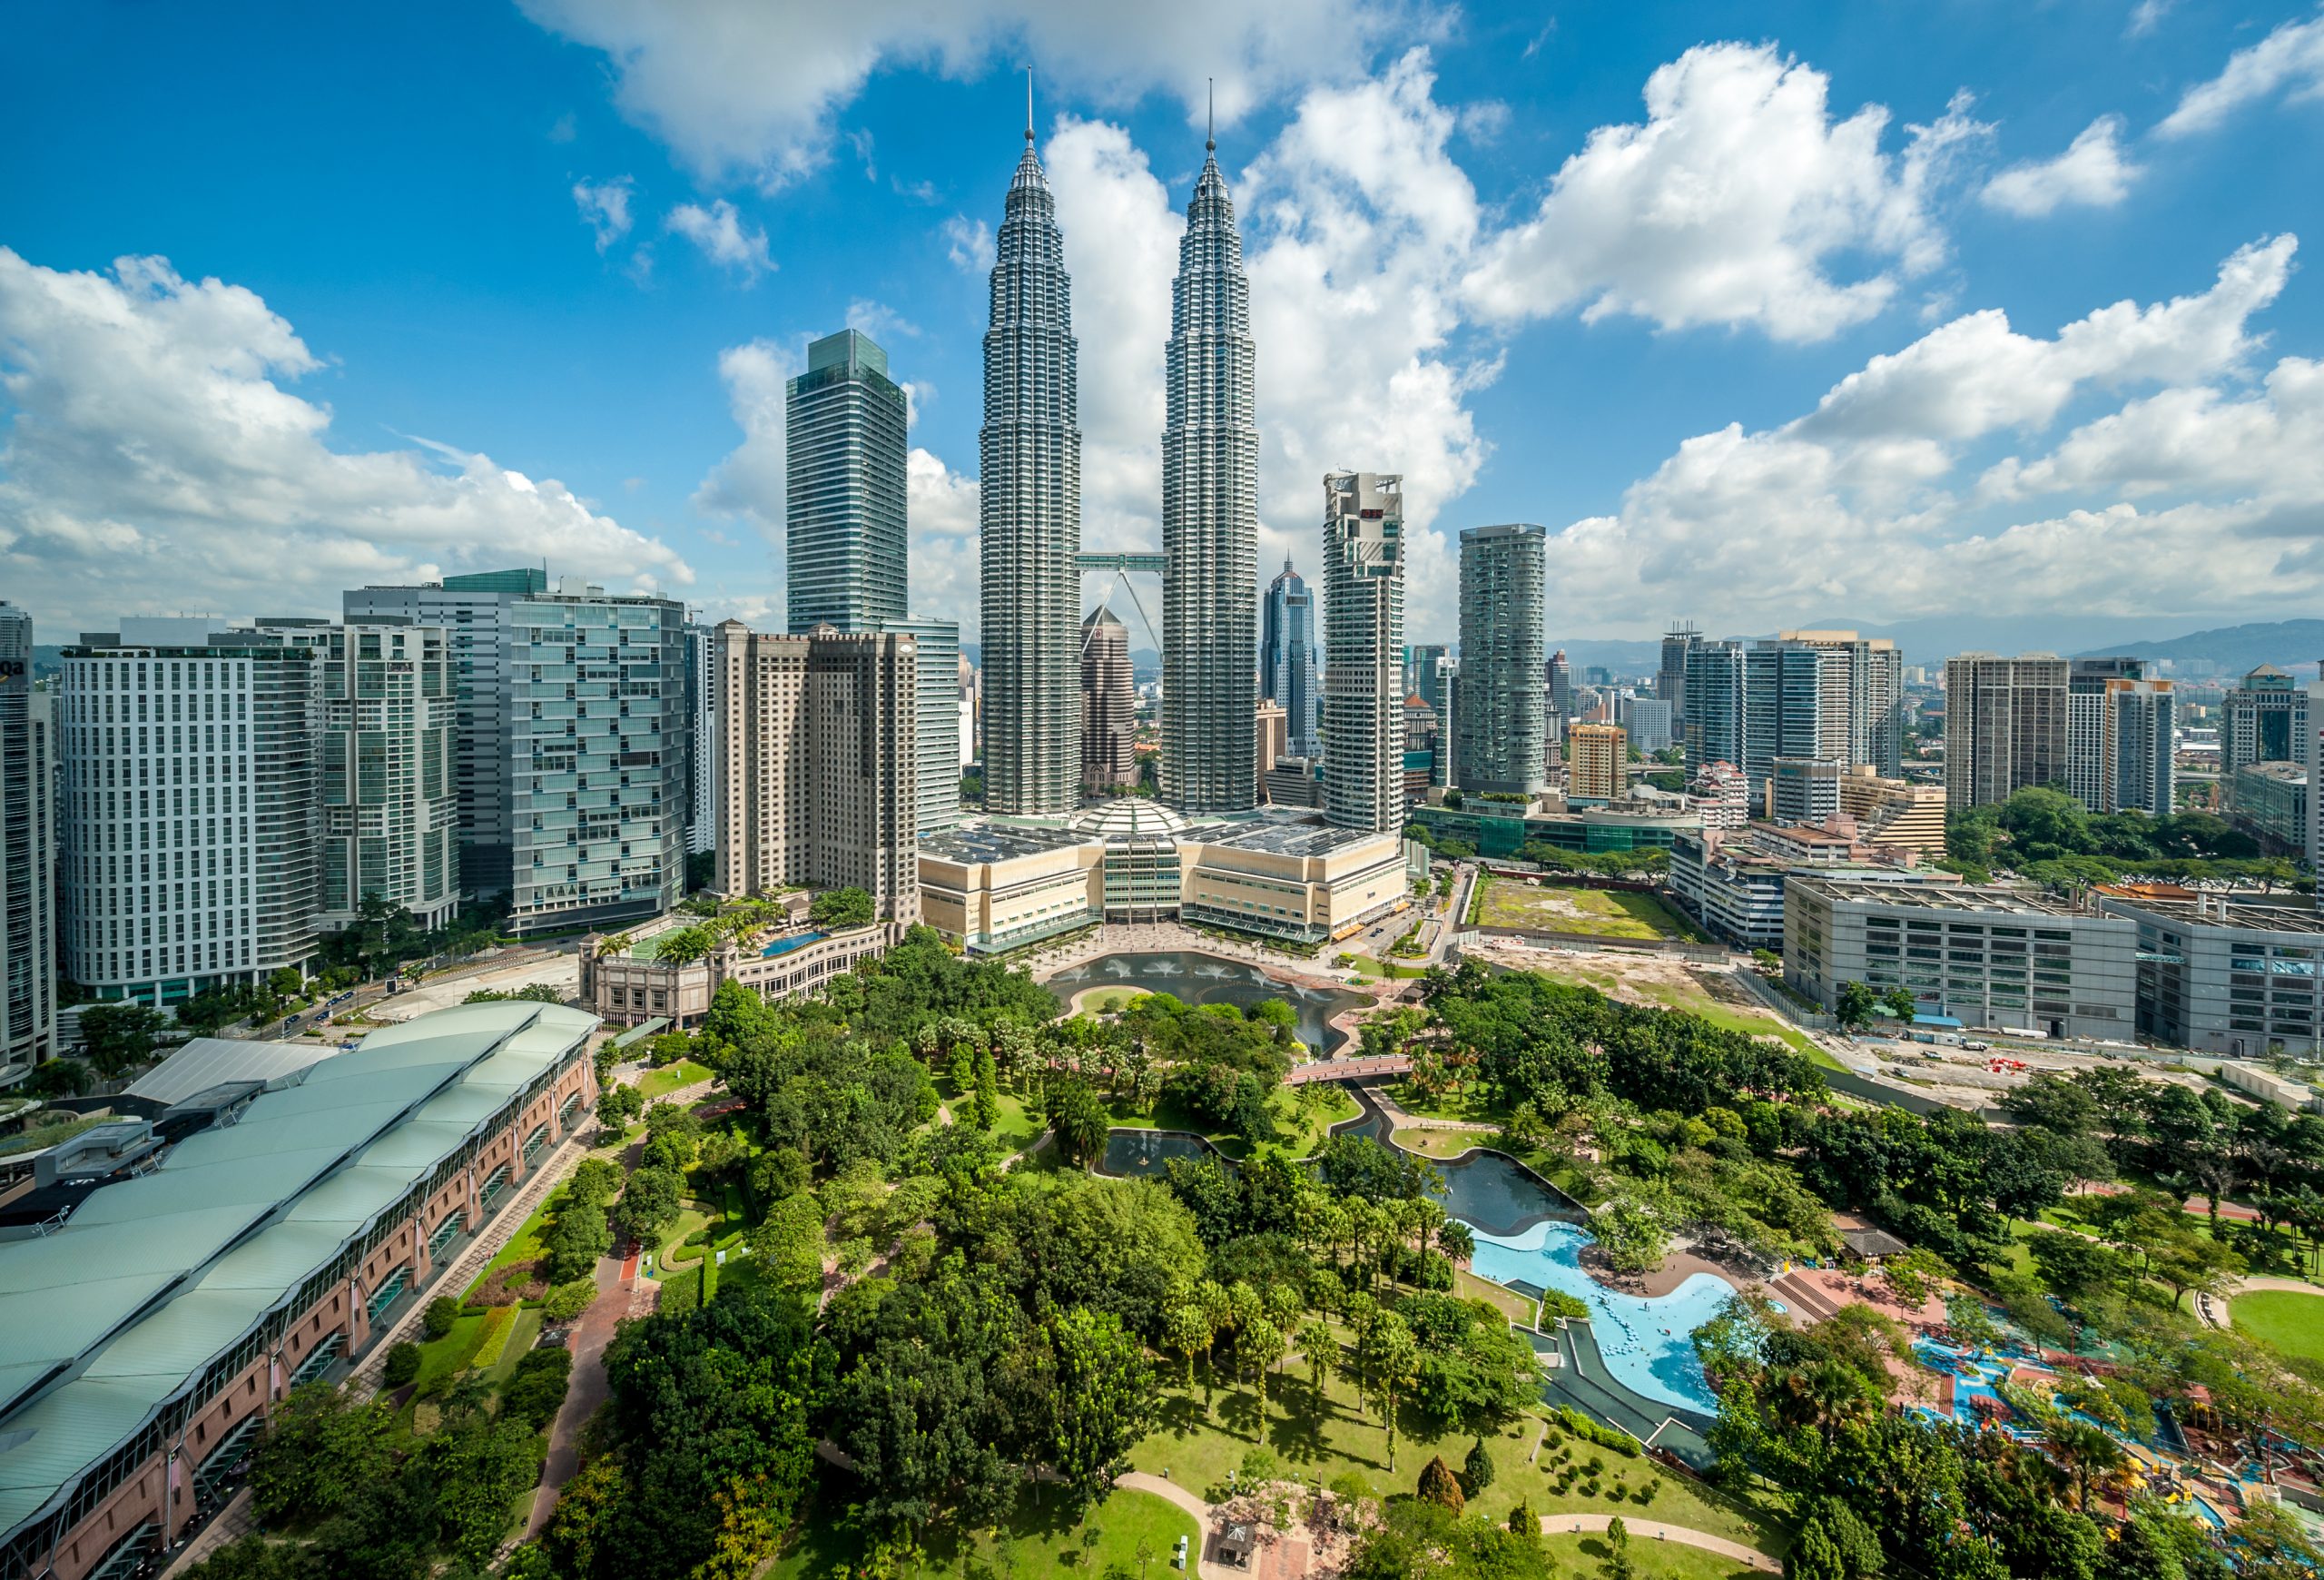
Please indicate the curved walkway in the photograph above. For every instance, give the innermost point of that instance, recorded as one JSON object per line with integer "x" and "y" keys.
{"x": 1655, "y": 1531}
{"x": 2213, "y": 1308}
{"x": 1552, "y": 1525}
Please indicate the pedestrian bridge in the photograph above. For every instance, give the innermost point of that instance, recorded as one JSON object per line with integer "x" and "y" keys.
{"x": 1348, "y": 1069}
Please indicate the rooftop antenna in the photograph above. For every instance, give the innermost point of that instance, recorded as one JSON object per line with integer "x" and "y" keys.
{"x": 1210, "y": 126}
{"x": 1028, "y": 104}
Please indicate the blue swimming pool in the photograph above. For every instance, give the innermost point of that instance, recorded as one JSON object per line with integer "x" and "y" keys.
{"x": 1648, "y": 1344}
{"x": 786, "y": 945}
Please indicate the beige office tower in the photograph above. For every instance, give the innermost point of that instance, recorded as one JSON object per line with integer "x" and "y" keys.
{"x": 2004, "y": 726}
{"x": 1600, "y": 765}
{"x": 1364, "y": 649}
{"x": 1109, "y": 705}
{"x": 814, "y": 776}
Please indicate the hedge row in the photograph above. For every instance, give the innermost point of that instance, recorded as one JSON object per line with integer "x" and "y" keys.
{"x": 493, "y": 1338}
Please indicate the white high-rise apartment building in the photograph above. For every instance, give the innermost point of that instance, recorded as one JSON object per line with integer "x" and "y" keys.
{"x": 192, "y": 808}
{"x": 1028, "y": 513}
{"x": 1210, "y": 516}
{"x": 702, "y": 770}
{"x": 2145, "y": 745}
{"x": 390, "y": 818}
{"x": 28, "y": 856}
{"x": 2090, "y": 726}
{"x": 598, "y": 737}
{"x": 1364, "y": 649}
{"x": 816, "y": 764}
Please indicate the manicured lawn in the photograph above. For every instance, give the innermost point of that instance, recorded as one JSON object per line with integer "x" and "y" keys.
{"x": 670, "y": 1077}
{"x": 1561, "y": 908}
{"x": 438, "y": 1356}
{"x": 1327, "y": 1436}
{"x": 1099, "y": 1001}
{"x": 2291, "y": 1321}
{"x": 521, "y": 1335}
{"x": 1649, "y": 1560}
{"x": 1043, "y": 1545}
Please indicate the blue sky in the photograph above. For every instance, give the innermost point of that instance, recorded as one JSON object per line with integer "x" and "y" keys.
{"x": 1763, "y": 310}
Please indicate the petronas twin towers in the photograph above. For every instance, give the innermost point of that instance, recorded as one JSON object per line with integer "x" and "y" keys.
{"x": 1029, "y": 513}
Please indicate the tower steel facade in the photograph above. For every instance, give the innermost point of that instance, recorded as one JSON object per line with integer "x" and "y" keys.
{"x": 1287, "y": 658}
{"x": 1028, "y": 514}
{"x": 1498, "y": 732}
{"x": 1210, "y": 521}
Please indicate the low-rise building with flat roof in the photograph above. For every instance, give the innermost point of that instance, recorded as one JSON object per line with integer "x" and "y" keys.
{"x": 625, "y": 980}
{"x": 1987, "y": 956}
{"x": 2233, "y": 973}
{"x": 998, "y": 887}
{"x": 1300, "y": 880}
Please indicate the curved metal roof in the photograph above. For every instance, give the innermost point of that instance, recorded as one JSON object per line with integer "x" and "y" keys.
{"x": 195, "y": 1255}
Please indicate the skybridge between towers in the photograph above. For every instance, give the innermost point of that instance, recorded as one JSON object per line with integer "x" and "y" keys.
{"x": 1121, "y": 566}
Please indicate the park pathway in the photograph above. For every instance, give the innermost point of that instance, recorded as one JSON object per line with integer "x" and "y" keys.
{"x": 1169, "y": 1491}
{"x": 619, "y": 1296}
{"x": 2213, "y": 1309}
{"x": 1206, "y": 1514}
{"x": 1655, "y": 1531}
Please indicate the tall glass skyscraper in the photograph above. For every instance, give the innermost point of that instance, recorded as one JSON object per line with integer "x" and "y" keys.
{"x": 1028, "y": 514}
{"x": 844, "y": 428}
{"x": 1287, "y": 658}
{"x": 1499, "y": 731}
{"x": 1210, "y": 516}
{"x": 1364, "y": 651}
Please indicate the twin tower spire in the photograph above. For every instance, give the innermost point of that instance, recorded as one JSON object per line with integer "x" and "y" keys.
{"x": 1029, "y": 512}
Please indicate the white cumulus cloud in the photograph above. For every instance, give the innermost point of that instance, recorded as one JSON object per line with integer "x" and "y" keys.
{"x": 741, "y": 86}
{"x": 2289, "y": 61}
{"x": 723, "y": 238}
{"x": 1738, "y": 201}
{"x": 605, "y": 208}
{"x": 154, "y": 447}
{"x": 2093, "y": 172}
{"x": 2190, "y": 497}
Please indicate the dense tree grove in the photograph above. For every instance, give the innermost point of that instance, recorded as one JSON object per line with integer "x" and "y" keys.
{"x": 2045, "y": 834}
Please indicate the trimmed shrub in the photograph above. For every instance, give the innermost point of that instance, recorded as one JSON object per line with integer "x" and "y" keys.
{"x": 494, "y": 1339}
{"x": 1438, "y": 1484}
{"x": 1477, "y": 1469}
{"x": 436, "y": 1320}
{"x": 402, "y": 1365}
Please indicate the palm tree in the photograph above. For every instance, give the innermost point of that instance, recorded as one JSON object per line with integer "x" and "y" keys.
{"x": 1260, "y": 1345}
{"x": 2088, "y": 1453}
{"x": 1456, "y": 1240}
{"x": 1186, "y": 1329}
{"x": 1321, "y": 1349}
{"x": 1396, "y": 1361}
{"x": 1281, "y": 1303}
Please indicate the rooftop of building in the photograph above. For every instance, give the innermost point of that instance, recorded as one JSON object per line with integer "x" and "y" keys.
{"x": 207, "y": 1061}
{"x": 1992, "y": 898}
{"x": 2260, "y": 913}
{"x": 2288, "y": 772}
{"x": 1294, "y": 838}
{"x": 1124, "y": 818}
{"x": 1000, "y": 841}
{"x": 123, "y": 1306}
